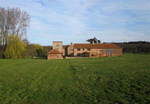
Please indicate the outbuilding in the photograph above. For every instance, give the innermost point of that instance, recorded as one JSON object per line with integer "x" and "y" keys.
{"x": 54, "y": 54}
{"x": 94, "y": 50}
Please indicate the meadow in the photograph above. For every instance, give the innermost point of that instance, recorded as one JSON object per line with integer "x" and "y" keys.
{"x": 124, "y": 79}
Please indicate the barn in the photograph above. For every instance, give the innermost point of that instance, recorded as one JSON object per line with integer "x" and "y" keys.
{"x": 54, "y": 54}
{"x": 98, "y": 50}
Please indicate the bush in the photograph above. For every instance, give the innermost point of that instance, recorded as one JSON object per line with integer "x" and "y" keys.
{"x": 29, "y": 57}
{"x": 3, "y": 56}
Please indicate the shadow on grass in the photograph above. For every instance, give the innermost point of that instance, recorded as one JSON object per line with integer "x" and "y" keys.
{"x": 73, "y": 70}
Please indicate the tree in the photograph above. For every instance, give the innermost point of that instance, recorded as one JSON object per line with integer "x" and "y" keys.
{"x": 38, "y": 46}
{"x": 26, "y": 41}
{"x": 12, "y": 21}
{"x": 90, "y": 40}
{"x": 39, "y": 49}
{"x": 30, "y": 50}
{"x": 99, "y": 41}
{"x": 93, "y": 40}
{"x": 46, "y": 49}
{"x": 0, "y": 46}
{"x": 15, "y": 48}
{"x": 40, "y": 52}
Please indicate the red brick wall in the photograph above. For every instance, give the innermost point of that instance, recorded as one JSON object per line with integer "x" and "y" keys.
{"x": 92, "y": 51}
{"x": 69, "y": 49}
{"x": 81, "y": 51}
{"x": 96, "y": 51}
{"x": 63, "y": 50}
{"x": 54, "y": 56}
{"x": 117, "y": 52}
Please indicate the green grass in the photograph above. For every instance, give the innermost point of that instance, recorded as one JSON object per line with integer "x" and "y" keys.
{"x": 122, "y": 79}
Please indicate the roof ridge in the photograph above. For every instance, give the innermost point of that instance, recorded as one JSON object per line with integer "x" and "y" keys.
{"x": 97, "y": 46}
{"x": 54, "y": 51}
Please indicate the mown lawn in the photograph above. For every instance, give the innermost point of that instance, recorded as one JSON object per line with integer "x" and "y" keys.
{"x": 124, "y": 79}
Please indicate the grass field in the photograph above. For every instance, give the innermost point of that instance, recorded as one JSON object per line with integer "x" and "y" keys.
{"x": 122, "y": 79}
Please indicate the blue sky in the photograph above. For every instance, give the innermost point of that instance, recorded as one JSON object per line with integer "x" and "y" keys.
{"x": 78, "y": 20}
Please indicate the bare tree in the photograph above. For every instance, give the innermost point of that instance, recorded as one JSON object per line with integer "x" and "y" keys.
{"x": 12, "y": 21}
{"x": 2, "y": 24}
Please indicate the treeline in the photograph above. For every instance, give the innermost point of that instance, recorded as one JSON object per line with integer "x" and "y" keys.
{"x": 36, "y": 49}
{"x": 13, "y": 25}
{"x": 134, "y": 46}
{"x": 13, "y": 41}
{"x": 17, "y": 48}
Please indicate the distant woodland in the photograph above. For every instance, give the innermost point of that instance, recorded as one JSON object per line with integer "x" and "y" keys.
{"x": 134, "y": 46}
{"x": 128, "y": 47}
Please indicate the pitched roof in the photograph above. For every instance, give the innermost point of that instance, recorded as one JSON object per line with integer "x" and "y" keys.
{"x": 96, "y": 46}
{"x": 54, "y": 52}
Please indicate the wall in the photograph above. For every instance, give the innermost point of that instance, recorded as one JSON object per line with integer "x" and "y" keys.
{"x": 96, "y": 52}
{"x": 75, "y": 57}
{"x": 92, "y": 51}
{"x": 110, "y": 51}
{"x": 63, "y": 50}
{"x": 54, "y": 56}
{"x": 70, "y": 53}
{"x": 87, "y": 54}
{"x": 103, "y": 54}
{"x": 55, "y": 46}
{"x": 117, "y": 52}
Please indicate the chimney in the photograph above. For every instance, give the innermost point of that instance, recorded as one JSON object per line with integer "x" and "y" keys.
{"x": 71, "y": 43}
{"x": 92, "y": 42}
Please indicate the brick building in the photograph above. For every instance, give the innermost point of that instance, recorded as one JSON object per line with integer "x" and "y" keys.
{"x": 54, "y": 54}
{"x": 97, "y": 50}
{"x": 83, "y": 50}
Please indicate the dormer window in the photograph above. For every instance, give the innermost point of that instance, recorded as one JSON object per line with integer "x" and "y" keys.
{"x": 78, "y": 49}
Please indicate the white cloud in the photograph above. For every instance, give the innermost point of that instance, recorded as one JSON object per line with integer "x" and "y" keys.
{"x": 70, "y": 20}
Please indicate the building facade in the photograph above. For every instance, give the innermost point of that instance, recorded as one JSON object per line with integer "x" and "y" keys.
{"x": 54, "y": 54}
{"x": 57, "y": 45}
{"x": 87, "y": 50}
{"x": 97, "y": 50}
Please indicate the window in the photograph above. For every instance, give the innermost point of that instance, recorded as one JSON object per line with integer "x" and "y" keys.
{"x": 57, "y": 45}
{"x": 88, "y": 49}
{"x": 83, "y": 49}
{"x": 57, "y": 48}
{"x": 78, "y": 54}
{"x": 78, "y": 49}
{"x": 71, "y": 49}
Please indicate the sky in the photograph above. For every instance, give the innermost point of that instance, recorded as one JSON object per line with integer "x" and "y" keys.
{"x": 78, "y": 20}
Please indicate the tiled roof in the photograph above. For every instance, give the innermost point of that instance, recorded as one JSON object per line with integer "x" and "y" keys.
{"x": 96, "y": 46}
{"x": 57, "y": 41}
{"x": 54, "y": 52}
